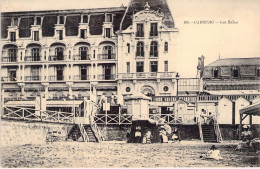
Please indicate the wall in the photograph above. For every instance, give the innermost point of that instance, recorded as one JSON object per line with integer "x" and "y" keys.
{"x": 22, "y": 132}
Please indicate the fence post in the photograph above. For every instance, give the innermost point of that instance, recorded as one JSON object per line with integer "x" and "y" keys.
{"x": 58, "y": 117}
{"x": 23, "y": 114}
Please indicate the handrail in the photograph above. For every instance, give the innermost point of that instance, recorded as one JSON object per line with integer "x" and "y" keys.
{"x": 200, "y": 128}
{"x": 217, "y": 130}
{"x": 83, "y": 132}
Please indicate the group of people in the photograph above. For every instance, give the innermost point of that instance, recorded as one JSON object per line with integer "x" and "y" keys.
{"x": 207, "y": 118}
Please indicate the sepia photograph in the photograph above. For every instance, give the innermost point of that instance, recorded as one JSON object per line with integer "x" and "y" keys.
{"x": 130, "y": 83}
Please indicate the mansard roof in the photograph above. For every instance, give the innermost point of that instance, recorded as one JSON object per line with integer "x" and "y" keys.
{"x": 235, "y": 62}
{"x": 97, "y": 17}
{"x": 138, "y": 5}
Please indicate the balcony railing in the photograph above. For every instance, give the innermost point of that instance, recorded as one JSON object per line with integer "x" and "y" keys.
{"x": 32, "y": 58}
{"x": 32, "y": 78}
{"x": 107, "y": 77}
{"x": 106, "y": 56}
{"x": 9, "y": 59}
{"x": 146, "y": 75}
{"x": 56, "y": 78}
{"x": 154, "y": 33}
{"x": 8, "y": 79}
{"x": 56, "y": 58}
{"x": 81, "y": 57}
{"x": 139, "y": 34}
{"x": 81, "y": 77}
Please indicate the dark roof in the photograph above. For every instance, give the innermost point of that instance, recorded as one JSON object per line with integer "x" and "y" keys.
{"x": 138, "y": 5}
{"x": 97, "y": 18}
{"x": 235, "y": 61}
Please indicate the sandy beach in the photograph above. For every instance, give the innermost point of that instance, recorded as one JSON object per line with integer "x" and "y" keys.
{"x": 120, "y": 154}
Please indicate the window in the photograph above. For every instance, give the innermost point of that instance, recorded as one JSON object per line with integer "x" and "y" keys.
{"x": 166, "y": 66}
{"x": 140, "y": 30}
{"x": 12, "y": 36}
{"x": 12, "y": 54}
{"x": 14, "y": 22}
{"x": 38, "y": 20}
{"x": 216, "y": 73}
{"x": 127, "y": 89}
{"x": 83, "y": 52}
{"x": 36, "y": 35}
{"x": 166, "y": 47}
{"x": 166, "y": 88}
{"x": 154, "y": 49}
{"x": 154, "y": 29}
{"x": 83, "y": 33}
{"x": 35, "y": 73}
{"x": 59, "y": 72}
{"x": 60, "y": 34}
{"x": 85, "y": 18}
{"x": 108, "y": 17}
{"x": 107, "y": 72}
{"x": 35, "y": 54}
{"x": 139, "y": 66}
{"x": 235, "y": 72}
{"x": 258, "y": 72}
{"x": 12, "y": 74}
{"x": 83, "y": 73}
{"x": 107, "y": 52}
{"x": 61, "y": 20}
{"x": 154, "y": 66}
{"x": 59, "y": 53}
{"x": 128, "y": 48}
{"x": 140, "y": 49}
{"x": 128, "y": 67}
{"x": 107, "y": 32}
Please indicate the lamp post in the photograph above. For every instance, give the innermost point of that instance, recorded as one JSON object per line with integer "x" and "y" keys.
{"x": 177, "y": 80}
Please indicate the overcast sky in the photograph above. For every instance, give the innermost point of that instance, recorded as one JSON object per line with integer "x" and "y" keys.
{"x": 194, "y": 40}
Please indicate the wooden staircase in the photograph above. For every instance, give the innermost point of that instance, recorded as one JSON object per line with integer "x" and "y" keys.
{"x": 208, "y": 132}
{"x": 80, "y": 132}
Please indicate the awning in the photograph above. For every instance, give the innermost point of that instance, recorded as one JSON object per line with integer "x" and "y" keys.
{"x": 253, "y": 109}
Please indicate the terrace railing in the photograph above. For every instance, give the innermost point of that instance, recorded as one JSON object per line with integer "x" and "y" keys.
{"x": 81, "y": 57}
{"x": 107, "y": 56}
{"x": 145, "y": 75}
{"x": 32, "y": 58}
{"x": 9, "y": 59}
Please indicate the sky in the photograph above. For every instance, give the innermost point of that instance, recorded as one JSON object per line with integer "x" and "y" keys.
{"x": 214, "y": 41}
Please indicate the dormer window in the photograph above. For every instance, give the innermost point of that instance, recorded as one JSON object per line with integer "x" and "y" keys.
{"x": 60, "y": 34}
{"x": 61, "y": 19}
{"x": 140, "y": 30}
{"x": 108, "y": 32}
{"x": 36, "y": 35}
{"x": 235, "y": 72}
{"x": 216, "y": 72}
{"x": 12, "y": 36}
{"x": 108, "y": 17}
{"x": 38, "y": 20}
{"x": 154, "y": 29}
{"x": 85, "y": 19}
{"x": 14, "y": 22}
{"x": 83, "y": 33}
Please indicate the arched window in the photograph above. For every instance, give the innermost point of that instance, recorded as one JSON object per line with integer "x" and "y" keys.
{"x": 83, "y": 53}
{"x": 154, "y": 49}
{"x": 128, "y": 47}
{"x": 216, "y": 72}
{"x": 107, "y": 52}
{"x": 59, "y": 53}
{"x": 166, "y": 47}
{"x": 140, "y": 49}
{"x": 35, "y": 54}
{"x": 235, "y": 71}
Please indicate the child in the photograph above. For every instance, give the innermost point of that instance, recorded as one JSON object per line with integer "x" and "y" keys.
{"x": 214, "y": 153}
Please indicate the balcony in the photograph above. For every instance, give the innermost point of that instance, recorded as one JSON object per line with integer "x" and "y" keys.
{"x": 32, "y": 58}
{"x": 8, "y": 79}
{"x": 139, "y": 34}
{"x": 81, "y": 77}
{"x": 107, "y": 77}
{"x": 32, "y": 78}
{"x": 56, "y": 78}
{"x": 154, "y": 33}
{"x": 106, "y": 56}
{"x": 145, "y": 75}
{"x": 57, "y": 58}
{"x": 9, "y": 59}
{"x": 81, "y": 57}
